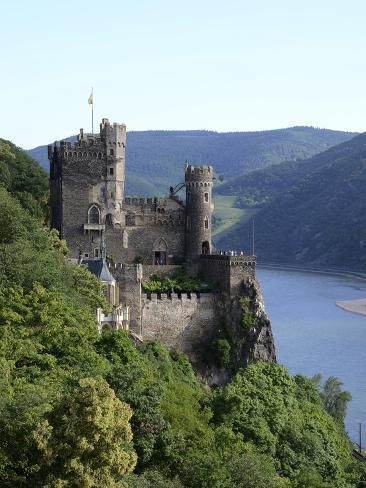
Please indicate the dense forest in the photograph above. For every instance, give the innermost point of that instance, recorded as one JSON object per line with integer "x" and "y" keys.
{"x": 308, "y": 212}
{"x": 80, "y": 409}
{"x": 155, "y": 159}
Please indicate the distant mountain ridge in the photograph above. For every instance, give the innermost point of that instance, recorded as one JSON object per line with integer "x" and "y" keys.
{"x": 155, "y": 159}
{"x": 310, "y": 212}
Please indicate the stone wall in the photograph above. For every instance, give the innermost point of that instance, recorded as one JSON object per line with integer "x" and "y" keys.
{"x": 187, "y": 322}
{"x": 227, "y": 273}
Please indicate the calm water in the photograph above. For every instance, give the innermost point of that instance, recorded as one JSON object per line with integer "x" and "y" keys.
{"x": 313, "y": 335}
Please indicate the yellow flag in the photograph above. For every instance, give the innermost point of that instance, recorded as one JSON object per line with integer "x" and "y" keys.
{"x": 90, "y": 99}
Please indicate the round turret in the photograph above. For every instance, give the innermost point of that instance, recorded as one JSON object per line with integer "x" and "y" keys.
{"x": 199, "y": 207}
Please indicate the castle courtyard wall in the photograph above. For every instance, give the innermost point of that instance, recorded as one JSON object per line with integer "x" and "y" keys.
{"x": 186, "y": 322}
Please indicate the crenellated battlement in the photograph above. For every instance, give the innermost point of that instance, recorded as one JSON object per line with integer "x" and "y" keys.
{"x": 196, "y": 174}
{"x": 112, "y": 137}
{"x": 176, "y": 298}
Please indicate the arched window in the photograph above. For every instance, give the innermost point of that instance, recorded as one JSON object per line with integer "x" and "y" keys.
{"x": 111, "y": 152}
{"x": 160, "y": 252}
{"x": 206, "y": 197}
{"x": 206, "y": 222}
{"x": 94, "y": 215}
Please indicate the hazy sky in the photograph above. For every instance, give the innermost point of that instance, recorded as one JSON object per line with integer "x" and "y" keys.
{"x": 223, "y": 65}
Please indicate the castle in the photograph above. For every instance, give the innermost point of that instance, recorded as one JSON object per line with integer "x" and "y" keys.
{"x": 144, "y": 237}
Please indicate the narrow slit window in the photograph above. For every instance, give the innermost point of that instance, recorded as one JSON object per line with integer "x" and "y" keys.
{"x": 206, "y": 222}
{"x": 206, "y": 197}
{"x": 111, "y": 171}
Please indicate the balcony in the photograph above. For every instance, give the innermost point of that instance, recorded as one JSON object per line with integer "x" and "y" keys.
{"x": 89, "y": 227}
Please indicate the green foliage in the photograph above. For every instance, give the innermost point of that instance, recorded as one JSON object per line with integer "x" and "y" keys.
{"x": 24, "y": 178}
{"x": 178, "y": 283}
{"x": 223, "y": 352}
{"x": 335, "y": 400}
{"x": 151, "y": 479}
{"x": 57, "y": 244}
{"x": 248, "y": 319}
{"x": 86, "y": 440}
{"x": 262, "y": 403}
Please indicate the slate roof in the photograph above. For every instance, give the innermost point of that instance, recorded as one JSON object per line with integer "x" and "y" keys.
{"x": 100, "y": 269}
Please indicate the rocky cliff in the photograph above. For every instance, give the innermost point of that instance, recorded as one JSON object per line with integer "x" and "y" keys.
{"x": 245, "y": 329}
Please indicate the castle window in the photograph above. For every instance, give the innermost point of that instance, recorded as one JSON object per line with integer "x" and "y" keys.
{"x": 111, "y": 171}
{"x": 188, "y": 196}
{"x": 96, "y": 252}
{"x": 206, "y": 197}
{"x": 80, "y": 155}
{"x": 206, "y": 223}
{"x": 111, "y": 194}
{"x": 99, "y": 155}
{"x": 94, "y": 215}
{"x": 111, "y": 152}
{"x": 86, "y": 254}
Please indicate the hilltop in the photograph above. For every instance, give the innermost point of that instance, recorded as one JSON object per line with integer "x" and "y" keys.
{"x": 154, "y": 159}
{"x": 309, "y": 212}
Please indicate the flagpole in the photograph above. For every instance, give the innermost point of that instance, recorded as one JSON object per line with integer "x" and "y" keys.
{"x": 92, "y": 112}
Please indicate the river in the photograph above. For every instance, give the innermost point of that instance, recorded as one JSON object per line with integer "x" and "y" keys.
{"x": 313, "y": 335}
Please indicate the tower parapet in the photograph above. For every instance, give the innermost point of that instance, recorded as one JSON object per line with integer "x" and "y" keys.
{"x": 199, "y": 207}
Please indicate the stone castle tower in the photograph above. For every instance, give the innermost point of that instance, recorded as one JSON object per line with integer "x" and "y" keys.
{"x": 198, "y": 180}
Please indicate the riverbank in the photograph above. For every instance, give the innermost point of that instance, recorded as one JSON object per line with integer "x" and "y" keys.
{"x": 354, "y": 306}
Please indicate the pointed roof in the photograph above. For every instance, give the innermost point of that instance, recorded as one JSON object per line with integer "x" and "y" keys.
{"x": 100, "y": 269}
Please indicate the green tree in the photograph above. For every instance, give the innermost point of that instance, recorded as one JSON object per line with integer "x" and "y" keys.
{"x": 335, "y": 399}
{"x": 86, "y": 439}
